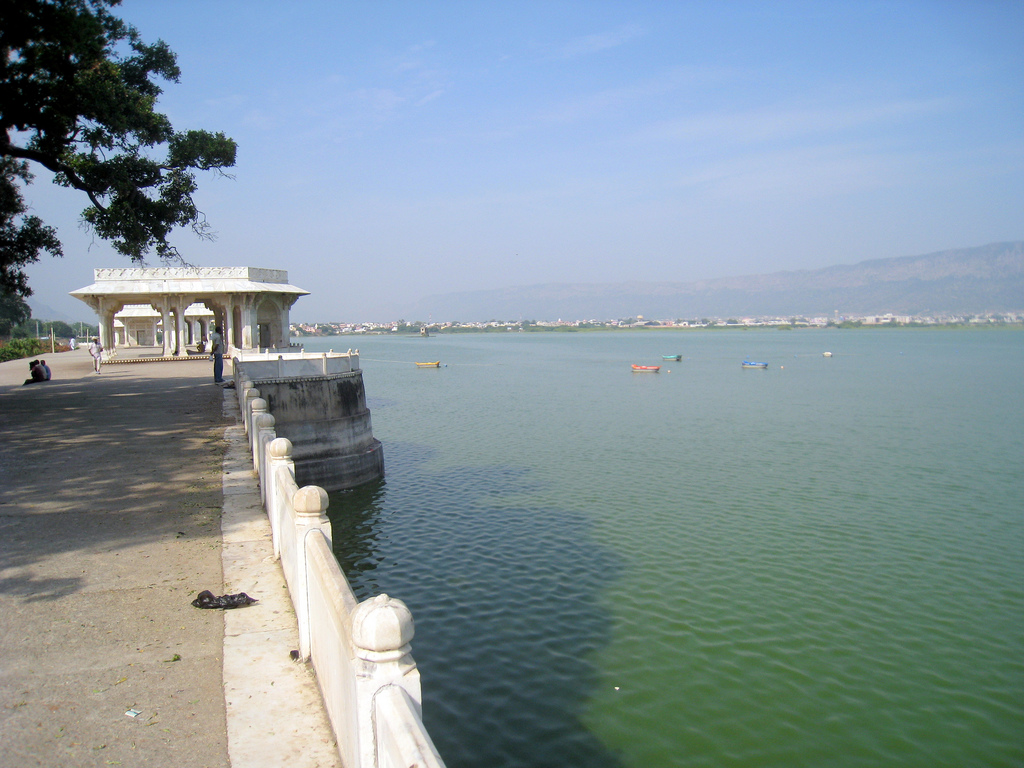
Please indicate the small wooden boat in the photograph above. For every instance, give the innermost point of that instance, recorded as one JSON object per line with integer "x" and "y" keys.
{"x": 672, "y": 357}
{"x": 647, "y": 368}
{"x": 435, "y": 364}
{"x": 751, "y": 364}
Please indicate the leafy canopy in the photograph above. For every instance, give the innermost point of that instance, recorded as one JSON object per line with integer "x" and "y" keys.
{"x": 78, "y": 90}
{"x": 13, "y": 311}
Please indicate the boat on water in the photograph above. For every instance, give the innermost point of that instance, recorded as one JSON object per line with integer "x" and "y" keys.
{"x": 647, "y": 368}
{"x": 826, "y": 354}
{"x": 435, "y": 364}
{"x": 672, "y": 357}
{"x": 752, "y": 364}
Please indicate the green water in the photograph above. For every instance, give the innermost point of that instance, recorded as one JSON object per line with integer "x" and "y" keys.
{"x": 821, "y": 563}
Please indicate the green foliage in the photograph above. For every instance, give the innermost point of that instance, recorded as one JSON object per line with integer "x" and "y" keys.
{"x": 61, "y": 330}
{"x": 19, "y": 348}
{"x": 22, "y": 237}
{"x": 13, "y": 311}
{"x": 78, "y": 89}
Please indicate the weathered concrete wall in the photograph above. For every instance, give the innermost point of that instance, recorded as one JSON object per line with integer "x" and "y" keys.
{"x": 328, "y": 424}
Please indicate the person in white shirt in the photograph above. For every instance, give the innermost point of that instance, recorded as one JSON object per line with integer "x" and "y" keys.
{"x": 96, "y": 350}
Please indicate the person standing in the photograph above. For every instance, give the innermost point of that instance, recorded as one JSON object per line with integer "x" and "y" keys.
{"x": 217, "y": 354}
{"x": 96, "y": 350}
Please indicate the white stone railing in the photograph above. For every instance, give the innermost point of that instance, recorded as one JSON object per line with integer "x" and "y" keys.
{"x": 360, "y": 651}
{"x": 278, "y": 364}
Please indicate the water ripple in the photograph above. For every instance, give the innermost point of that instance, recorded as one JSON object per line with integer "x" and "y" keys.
{"x": 819, "y": 565}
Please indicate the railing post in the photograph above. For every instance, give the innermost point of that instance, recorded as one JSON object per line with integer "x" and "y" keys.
{"x": 243, "y": 392}
{"x": 279, "y": 454}
{"x": 265, "y": 423}
{"x": 251, "y": 394}
{"x": 382, "y": 630}
{"x": 310, "y": 505}
{"x": 258, "y": 408}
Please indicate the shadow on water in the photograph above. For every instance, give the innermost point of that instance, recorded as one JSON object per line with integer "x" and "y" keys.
{"x": 507, "y": 602}
{"x": 354, "y": 514}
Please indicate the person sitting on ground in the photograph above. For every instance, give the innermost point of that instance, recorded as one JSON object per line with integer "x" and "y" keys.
{"x": 46, "y": 370}
{"x": 38, "y": 374}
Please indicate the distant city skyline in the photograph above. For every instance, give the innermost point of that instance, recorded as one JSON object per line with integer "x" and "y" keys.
{"x": 391, "y": 151}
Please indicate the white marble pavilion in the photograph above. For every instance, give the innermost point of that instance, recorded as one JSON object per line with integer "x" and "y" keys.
{"x": 181, "y": 304}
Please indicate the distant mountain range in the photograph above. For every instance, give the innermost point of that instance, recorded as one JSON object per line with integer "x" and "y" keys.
{"x": 989, "y": 278}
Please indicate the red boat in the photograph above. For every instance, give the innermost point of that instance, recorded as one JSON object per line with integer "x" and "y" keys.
{"x": 648, "y": 368}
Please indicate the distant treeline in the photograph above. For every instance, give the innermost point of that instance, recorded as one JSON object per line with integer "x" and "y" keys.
{"x": 38, "y": 329}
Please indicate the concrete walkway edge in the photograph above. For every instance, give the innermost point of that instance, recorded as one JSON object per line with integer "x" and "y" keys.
{"x": 275, "y": 713}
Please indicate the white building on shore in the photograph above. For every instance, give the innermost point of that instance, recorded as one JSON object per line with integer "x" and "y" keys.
{"x": 251, "y": 305}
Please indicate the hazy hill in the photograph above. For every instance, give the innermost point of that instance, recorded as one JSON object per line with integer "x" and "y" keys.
{"x": 989, "y": 278}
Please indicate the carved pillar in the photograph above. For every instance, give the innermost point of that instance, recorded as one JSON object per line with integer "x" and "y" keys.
{"x": 249, "y": 341}
{"x": 178, "y": 335}
{"x": 165, "y": 318}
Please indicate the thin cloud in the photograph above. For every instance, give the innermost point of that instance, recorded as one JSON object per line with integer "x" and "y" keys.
{"x": 778, "y": 124}
{"x": 590, "y": 44}
{"x": 430, "y": 97}
{"x": 810, "y": 172}
{"x": 599, "y": 103}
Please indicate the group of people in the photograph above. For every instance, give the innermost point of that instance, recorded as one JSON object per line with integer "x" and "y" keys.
{"x": 39, "y": 371}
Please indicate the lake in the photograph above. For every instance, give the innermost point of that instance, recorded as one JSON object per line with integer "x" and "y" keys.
{"x": 821, "y": 563}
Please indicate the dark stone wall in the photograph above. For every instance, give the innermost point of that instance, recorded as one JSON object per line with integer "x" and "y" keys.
{"x": 328, "y": 423}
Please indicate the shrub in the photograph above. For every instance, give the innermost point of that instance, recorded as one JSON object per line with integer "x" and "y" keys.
{"x": 19, "y": 348}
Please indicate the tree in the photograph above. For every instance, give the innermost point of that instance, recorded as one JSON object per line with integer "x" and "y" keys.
{"x": 13, "y": 311}
{"x": 61, "y": 329}
{"x": 77, "y": 96}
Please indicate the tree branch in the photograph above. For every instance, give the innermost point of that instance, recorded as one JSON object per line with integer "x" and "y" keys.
{"x": 47, "y": 161}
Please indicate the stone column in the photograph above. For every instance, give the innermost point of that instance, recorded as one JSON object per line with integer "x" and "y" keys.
{"x": 178, "y": 329}
{"x": 248, "y": 320}
{"x": 165, "y": 318}
{"x": 229, "y": 324}
{"x": 106, "y": 328}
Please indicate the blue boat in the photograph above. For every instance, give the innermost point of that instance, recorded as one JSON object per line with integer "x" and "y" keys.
{"x": 752, "y": 364}
{"x": 672, "y": 357}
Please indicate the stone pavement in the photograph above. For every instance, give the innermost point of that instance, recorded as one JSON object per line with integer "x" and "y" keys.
{"x": 113, "y": 492}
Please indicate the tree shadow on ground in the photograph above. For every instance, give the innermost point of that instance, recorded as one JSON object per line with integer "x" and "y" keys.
{"x": 105, "y": 463}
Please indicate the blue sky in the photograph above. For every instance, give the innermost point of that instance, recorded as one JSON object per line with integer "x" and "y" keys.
{"x": 393, "y": 150}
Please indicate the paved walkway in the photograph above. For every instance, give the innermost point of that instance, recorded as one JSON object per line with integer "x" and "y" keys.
{"x": 113, "y": 492}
